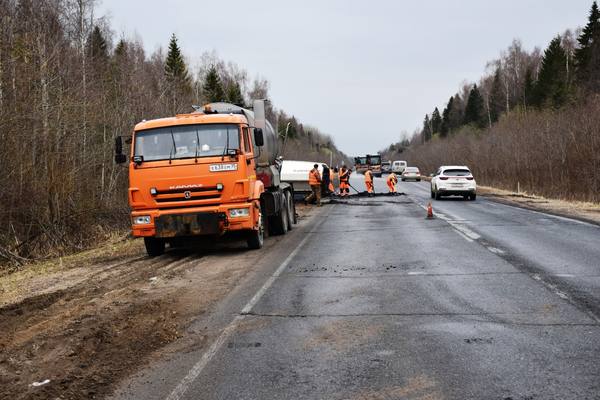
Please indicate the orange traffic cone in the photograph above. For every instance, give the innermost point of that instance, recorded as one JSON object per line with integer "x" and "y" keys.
{"x": 429, "y": 211}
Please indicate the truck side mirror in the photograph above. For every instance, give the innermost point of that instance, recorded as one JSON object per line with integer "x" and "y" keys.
{"x": 120, "y": 158}
{"x": 259, "y": 140}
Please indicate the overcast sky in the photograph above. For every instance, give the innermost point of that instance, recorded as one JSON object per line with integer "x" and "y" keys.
{"x": 361, "y": 71}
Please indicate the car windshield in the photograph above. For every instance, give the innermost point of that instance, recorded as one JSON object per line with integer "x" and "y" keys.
{"x": 412, "y": 169}
{"x": 186, "y": 141}
{"x": 457, "y": 172}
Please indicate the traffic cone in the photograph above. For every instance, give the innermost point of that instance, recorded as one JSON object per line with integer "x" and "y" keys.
{"x": 429, "y": 211}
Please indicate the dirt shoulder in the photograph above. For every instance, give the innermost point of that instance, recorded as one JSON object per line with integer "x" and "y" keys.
{"x": 589, "y": 212}
{"x": 87, "y": 321}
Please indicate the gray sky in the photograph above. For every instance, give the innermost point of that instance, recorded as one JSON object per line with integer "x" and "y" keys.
{"x": 361, "y": 71}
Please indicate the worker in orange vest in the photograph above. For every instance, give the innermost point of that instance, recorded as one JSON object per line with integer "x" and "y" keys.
{"x": 392, "y": 180}
{"x": 344, "y": 181}
{"x": 335, "y": 181}
{"x": 369, "y": 181}
{"x": 314, "y": 180}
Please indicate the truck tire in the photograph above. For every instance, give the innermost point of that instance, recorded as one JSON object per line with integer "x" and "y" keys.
{"x": 256, "y": 238}
{"x": 278, "y": 224}
{"x": 291, "y": 211}
{"x": 154, "y": 247}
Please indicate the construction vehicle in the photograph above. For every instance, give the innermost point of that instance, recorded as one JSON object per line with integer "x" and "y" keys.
{"x": 370, "y": 162}
{"x": 360, "y": 165}
{"x": 212, "y": 173}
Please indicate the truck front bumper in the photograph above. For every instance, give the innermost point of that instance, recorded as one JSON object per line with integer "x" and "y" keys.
{"x": 195, "y": 221}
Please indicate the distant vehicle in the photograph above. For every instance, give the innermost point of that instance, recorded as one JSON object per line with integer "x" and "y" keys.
{"x": 398, "y": 166}
{"x": 296, "y": 174}
{"x": 411, "y": 173}
{"x": 360, "y": 165}
{"x": 451, "y": 180}
{"x": 370, "y": 162}
{"x": 386, "y": 167}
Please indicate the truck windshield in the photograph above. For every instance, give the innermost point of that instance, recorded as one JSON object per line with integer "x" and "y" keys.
{"x": 374, "y": 160}
{"x": 186, "y": 141}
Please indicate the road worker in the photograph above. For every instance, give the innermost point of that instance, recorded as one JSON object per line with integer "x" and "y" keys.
{"x": 326, "y": 181}
{"x": 335, "y": 181}
{"x": 369, "y": 181}
{"x": 314, "y": 180}
{"x": 392, "y": 180}
{"x": 344, "y": 181}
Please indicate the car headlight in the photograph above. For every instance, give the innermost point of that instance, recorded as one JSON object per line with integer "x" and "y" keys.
{"x": 239, "y": 212}
{"x": 141, "y": 220}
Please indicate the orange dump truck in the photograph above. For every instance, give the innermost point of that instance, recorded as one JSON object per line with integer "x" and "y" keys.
{"x": 208, "y": 174}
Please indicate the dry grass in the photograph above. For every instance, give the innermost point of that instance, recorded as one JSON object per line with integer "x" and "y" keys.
{"x": 570, "y": 208}
{"x": 46, "y": 276}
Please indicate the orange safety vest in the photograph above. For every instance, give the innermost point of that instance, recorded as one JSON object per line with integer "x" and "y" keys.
{"x": 344, "y": 176}
{"x": 368, "y": 176}
{"x": 314, "y": 178}
{"x": 392, "y": 178}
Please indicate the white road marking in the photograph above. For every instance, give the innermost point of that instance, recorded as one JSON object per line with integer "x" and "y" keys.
{"x": 465, "y": 230}
{"x": 197, "y": 369}
{"x": 565, "y": 275}
{"x": 248, "y": 307}
{"x": 468, "y": 239}
{"x": 415, "y": 273}
{"x": 495, "y": 250}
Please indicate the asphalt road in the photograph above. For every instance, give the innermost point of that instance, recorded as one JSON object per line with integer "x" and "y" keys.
{"x": 370, "y": 300}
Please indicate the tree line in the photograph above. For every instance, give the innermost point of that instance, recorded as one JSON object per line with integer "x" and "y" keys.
{"x": 68, "y": 87}
{"x": 504, "y": 108}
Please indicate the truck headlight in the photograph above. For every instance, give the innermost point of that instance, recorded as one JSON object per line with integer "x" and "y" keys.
{"x": 239, "y": 212}
{"x": 141, "y": 220}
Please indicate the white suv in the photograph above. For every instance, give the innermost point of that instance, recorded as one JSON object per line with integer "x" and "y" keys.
{"x": 452, "y": 180}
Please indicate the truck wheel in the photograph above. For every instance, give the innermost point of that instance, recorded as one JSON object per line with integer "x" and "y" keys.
{"x": 154, "y": 247}
{"x": 278, "y": 224}
{"x": 291, "y": 211}
{"x": 256, "y": 238}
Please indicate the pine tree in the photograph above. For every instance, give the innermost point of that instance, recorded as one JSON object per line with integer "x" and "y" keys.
{"x": 121, "y": 48}
{"x": 496, "y": 101}
{"x": 436, "y": 121}
{"x": 528, "y": 88}
{"x": 475, "y": 110}
{"x": 445, "y": 128}
{"x": 96, "y": 45}
{"x": 426, "y": 133}
{"x": 234, "y": 94}
{"x": 175, "y": 67}
{"x": 213, "y": 88}
{"x": 587, "y": 55}
{"x": 551, "y": 88}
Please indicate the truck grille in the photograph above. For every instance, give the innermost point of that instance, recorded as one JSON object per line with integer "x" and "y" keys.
{"x": 191, "y": 198}
{"x": 185, "y": 195}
